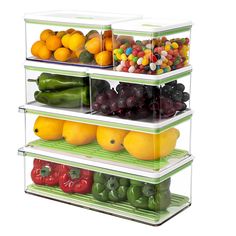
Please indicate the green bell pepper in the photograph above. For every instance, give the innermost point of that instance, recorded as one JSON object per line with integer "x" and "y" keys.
{"x": 109, "y": 188}
{"x": 149, "y": 196}
{"x": 69, "y": 98}
{"x": 48, "y": 81}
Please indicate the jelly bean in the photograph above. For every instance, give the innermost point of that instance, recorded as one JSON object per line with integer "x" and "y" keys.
{"x": 130, "y": 57}
{"x": 174, "y": 45}
{"x": 170, "y": 52}
{"x": 120, "y": 50}
{"x": 158, "y": 67}
{"x": 145, "y": 61}
{"x": 131, "y": 69}
{"x": 144, "y": 48}
{"x": 147, "y": 68}
{"x": 153, "y": 66}
{"x": 131, "y": 63}
{"x": 125, "y": 69}
{"x": 168, "y": 43}
{"x": 186, "y": 62}
{"x": 141, "y": 67}
{"x": 135, "y": 52}
{"x": 123, "y": 57}
{"x": 158, "y": 56}
{"x": 128, "y": 51}
{"x": 170, "y": 63}
{"x": 123, "y": 46}
{"x": 116, "y": 51}
{"x": 176, "y": 52}
{"x": 169, "y": 57}
{"x": 127, "y": 64}
{"x": 122, "y": 63}
{"x": 163, "y": 57}
{"x": 186, "y": 40}
{"x": 141, "y": 54}
{"x": 160, "y": 71}
{"x": 135, "y": 59}
{"x": 163, "y": 39}
{"x": 119, "y": 68}
{"x": 167, "y": 47}
{"x": 164, "y": 53}
{"x": 139, "y": 61}
{"x": 115, "y": 58}
{"x": 149, "y": 46}
{"x": 118, "y": 55}
{"x": 139, "y": 42}
{"x": 159, "y": 62}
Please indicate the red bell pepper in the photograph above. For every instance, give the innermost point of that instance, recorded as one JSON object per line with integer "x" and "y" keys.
{"x": 45, "y": 173}
{"x": 74, "y": 180}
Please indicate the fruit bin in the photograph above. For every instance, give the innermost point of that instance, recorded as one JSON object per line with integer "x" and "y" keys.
{"x": 140, "y": 97}
{"x": 124, "y": 197}
{"x": 77, "y": 38}
{"x": 151, "y": 46}
{"x": 112, "y": 149}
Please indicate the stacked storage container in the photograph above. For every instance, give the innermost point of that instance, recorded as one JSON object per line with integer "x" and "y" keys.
{"x": 114, "y": 139}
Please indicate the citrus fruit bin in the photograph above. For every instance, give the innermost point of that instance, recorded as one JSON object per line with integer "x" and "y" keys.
{"x": 78, "y": 38}
{"x": 109, "y": 193}
{"x": 108, "y": 111}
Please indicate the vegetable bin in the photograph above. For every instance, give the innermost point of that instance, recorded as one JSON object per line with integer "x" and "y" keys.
{"x": 77, "y": 38}
{"x": 151, "y": 46}
{"x": 125, "y": 197}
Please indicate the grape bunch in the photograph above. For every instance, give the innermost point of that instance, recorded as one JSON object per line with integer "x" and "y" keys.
{"x": 134, "y": 101}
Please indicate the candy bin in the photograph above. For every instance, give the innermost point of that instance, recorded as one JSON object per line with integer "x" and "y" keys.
{"x": 78, "y": 38}
{"x": 52, "y": 87}
{"x": 112, "y": 194}
{"x": 151, "y": 46}
{"x": 148, "y": 98}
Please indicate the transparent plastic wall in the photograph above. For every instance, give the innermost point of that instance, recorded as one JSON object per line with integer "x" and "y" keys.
{"x": 116, "y": 146}
{"x": 137, "y": 200}
{"x": 128, "y": 100}
{"x": 150, "y": 54}
{"x": 57, "y": 89}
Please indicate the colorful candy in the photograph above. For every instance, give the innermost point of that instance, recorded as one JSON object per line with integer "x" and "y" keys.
{"x": 156, "y": 56}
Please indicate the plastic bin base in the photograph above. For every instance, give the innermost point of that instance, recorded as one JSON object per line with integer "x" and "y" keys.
{"x": 124, "y": 209}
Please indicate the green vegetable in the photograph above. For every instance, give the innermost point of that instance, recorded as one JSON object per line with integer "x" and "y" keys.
{"x": 109, "y": 188}
{"x": 48, "y": 81}
{"x": 86, "y": 57}
{"x": 69, "y": 98}
{"x": 149, "y": 196}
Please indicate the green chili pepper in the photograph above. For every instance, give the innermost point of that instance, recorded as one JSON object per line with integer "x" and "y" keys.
{"x": 149, "y": 196}
{"x": 109, "y": 188}
{"x": 69, "y": 98}
{"x": 48, "y": 81}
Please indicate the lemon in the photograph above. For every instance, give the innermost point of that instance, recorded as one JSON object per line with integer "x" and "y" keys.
{"x": 76, "y": 41}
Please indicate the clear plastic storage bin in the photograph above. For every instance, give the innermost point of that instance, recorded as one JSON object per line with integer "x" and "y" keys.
{"x": 149, "y": 98}
{"x": 125, "y": 197}
{"x": 78, "y": 38}
{"x": 99, "y": 147}
{"x": 52, "y": 86}
{"x": 151, "y": 46}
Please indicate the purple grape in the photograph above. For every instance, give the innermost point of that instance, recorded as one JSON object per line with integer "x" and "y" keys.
{"x": 96, "y": 106}
{"x": 138, "y": 91}
{"x": 101, "y": 98}
{"x": 131, "y": 115}
{"x": 185, "y": 97}
{"x": 177, "y": 96}
{"x": 180, "y": 106}
{"x": 169, "y": 113}
{"x": 172, "y": 83}
{"x": 180, "y": 87}
{"x": 111, "y": 94}
{"x": 124, "y": 92}
{"x": 121, "y": 102}
{"x": 121, "y": 113}
{"x": 113, "y": 105}
{"x": 105, "y": 109}
{"x": 131, "y": 102}
{"x": 143, "y": 113}
{"x": 166, "y": 104}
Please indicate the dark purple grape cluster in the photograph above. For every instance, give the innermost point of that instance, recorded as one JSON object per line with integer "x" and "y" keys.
{"x": 134, "y": 101}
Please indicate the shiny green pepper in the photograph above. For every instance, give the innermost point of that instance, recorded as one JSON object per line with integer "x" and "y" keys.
{"x": 109, "y": 188}
{"x": 68, "y": 98}
{"x": 48, "y": 81}
{"x": 149, "y": 196}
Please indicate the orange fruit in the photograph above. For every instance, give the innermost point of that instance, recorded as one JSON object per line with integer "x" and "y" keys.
{"x": 44, "y": 53}
{"x": 65, "y": 40}
{"x": 77, "y": 52}
{"x": 73, "y": 55}
{"x": 35, "y": 47}
{"x": 94, "y": 45}
{"x": 108, "y": 44}
{"x": 62, "y": 54}
{"x": 76, "y": 41}
{"x": 60, "y": 34}
{"x": 107, "y": 34}
{"x": 71, "y": 30}
{"x": 77, "y": 31}
{"x": 103, "y": 58}
{"x": 45, "y": 34}
{"x": 53, "y": 42}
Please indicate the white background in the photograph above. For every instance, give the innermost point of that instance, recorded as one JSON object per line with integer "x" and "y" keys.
{"x": 213, "y": 100}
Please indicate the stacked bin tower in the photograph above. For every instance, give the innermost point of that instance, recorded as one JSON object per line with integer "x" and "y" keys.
{"x": 107, "y": 113}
